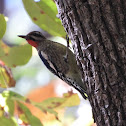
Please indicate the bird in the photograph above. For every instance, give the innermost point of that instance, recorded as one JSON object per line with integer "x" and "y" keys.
{"x": 59, "y": 59}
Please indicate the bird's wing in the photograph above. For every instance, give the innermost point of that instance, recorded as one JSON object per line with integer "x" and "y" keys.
{"x": 47, "y": 63}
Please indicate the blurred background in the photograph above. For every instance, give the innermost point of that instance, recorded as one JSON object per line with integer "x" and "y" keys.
{"x": 33, "y": 79}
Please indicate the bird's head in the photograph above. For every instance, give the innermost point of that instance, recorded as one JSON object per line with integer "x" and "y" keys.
{"x": 33, "y": 38}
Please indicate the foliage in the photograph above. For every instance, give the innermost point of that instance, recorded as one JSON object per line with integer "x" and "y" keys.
{"x": 6, "y": 78}
{"x": 43, "y": 14}
{"x": 8, "y": 99}
{"x": 2, "y": 25}
{"x": 9, "y": 54}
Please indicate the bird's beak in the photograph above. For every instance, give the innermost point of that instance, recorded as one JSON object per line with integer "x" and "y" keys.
{"x": 22, "y": 36}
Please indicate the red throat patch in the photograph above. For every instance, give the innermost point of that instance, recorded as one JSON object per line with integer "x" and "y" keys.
{"x": 32, "y": 43}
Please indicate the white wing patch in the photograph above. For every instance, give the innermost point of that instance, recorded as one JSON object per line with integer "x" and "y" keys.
{"x": 46, "y": 57}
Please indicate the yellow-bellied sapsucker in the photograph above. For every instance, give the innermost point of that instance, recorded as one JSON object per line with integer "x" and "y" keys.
{"x": 53, "y": 56}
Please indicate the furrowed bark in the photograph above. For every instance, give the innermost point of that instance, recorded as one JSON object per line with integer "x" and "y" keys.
{"x": 101, "y": 23}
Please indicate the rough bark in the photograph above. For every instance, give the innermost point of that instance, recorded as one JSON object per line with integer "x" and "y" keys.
{"x": 101, "y": 23}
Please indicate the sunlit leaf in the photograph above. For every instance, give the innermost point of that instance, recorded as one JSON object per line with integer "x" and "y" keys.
{"x": 2, "y": 25}
{"x": 10, "y": 106}
{"x": 14, "y": 96}
{"x": 8, "y": 121}
{"x": 66, "y": 101}
{"x": 7, "y": 99}
{"x": 32, "y": 120}
{"x": 50, "y": 104}
{"x": 14, "y": 56}
{"x": 7, "y": 103}
{"x": 1, "y": 112}
{"x": 6, "y": 78}
{"x": 69, "y": 98}
{"x": 43, "y": 14}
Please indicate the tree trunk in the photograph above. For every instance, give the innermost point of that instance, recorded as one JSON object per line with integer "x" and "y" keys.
{"x": 101, "y": 23}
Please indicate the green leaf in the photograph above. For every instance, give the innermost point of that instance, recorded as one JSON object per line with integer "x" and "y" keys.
{"x": 33, "y": 121}
{"x": 6, "y": 78}
{"x": 10, "y": 105}
{"x": 17, "y": 55}
{"x": 70, "y": 99}
{"x": 43, "y": 14}
{"x": 9, "y": 97}
{"x": 2, "y": 25}
{"x": 8, "y": 121}
{"x": 50, "y": 104}
{"x": 8, "y": 102}
{"x": 66, "y": 101}
{"x": 13, "y": 95}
